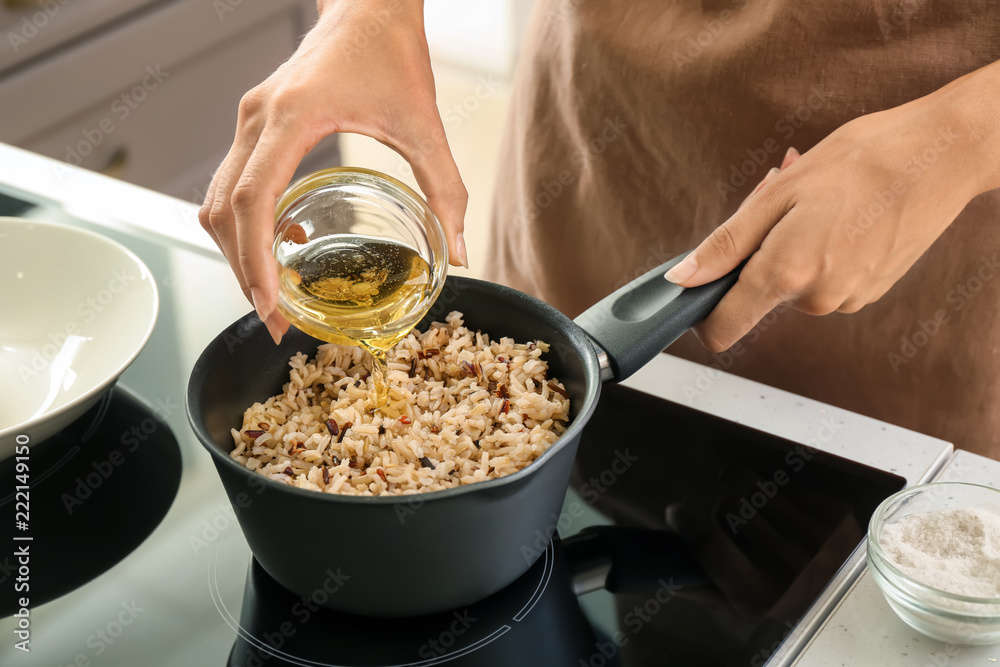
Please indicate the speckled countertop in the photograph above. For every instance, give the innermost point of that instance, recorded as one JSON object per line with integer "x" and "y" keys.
{"x": 863, "y": 630}
{"x": 915, "y": 456}
{"x": 852, "y": 625}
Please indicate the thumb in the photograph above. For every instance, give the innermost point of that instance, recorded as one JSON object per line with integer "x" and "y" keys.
{"x": 734, "y": 240}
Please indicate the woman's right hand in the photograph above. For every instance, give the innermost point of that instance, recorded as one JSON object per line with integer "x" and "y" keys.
{"x": 363, "y": 68}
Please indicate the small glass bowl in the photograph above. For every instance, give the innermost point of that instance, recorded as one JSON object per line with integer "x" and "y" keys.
{"x": 352, "y": 201}
{"x": 949, "y": 617}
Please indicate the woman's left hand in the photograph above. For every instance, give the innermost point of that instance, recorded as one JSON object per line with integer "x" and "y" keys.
{"x": 836, "y": 229}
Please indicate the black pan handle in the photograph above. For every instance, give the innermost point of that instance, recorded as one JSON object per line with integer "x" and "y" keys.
{"x": 638, "y": 321}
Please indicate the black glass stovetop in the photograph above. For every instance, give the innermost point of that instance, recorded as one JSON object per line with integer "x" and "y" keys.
{"x": 720, "y": 538}
{"x": 97, "y": 490}
{"x": 713, "y": 540}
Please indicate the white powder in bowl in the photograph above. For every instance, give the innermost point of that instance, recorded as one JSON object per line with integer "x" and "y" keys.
{"x": 955, "y": 550}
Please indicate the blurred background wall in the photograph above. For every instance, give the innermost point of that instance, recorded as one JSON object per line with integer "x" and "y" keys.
{"x": 147, "y": 90}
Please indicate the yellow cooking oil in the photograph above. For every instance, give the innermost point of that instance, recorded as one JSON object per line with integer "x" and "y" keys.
{"x": 349, "y": 289}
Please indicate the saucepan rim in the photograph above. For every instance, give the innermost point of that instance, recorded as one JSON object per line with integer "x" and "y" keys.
{"x": 577, "y": 337}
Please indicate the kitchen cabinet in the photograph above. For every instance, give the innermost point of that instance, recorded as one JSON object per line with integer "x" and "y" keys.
{"x": 32, "y": 28}
{"x": 143, "y": 91}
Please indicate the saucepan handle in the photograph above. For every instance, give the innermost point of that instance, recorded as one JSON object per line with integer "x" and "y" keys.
{"x": 638, "y": 321}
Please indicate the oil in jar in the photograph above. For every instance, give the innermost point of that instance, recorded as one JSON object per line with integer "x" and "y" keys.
{"x": 357, "y": 286}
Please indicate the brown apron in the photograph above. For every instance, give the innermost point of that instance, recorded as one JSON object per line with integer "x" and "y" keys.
{"x": 638, "y": 126}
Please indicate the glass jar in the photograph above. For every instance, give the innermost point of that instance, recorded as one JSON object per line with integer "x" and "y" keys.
{"x": 360, "y": 256}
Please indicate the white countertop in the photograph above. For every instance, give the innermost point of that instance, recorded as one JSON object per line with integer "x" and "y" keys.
{"x": 912, "y": 455}
{"x": 861, "y": 630}
{"x": 105, "y": 201}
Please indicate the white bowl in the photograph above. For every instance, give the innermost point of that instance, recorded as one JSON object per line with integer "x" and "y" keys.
{"x": 75, "y": 310}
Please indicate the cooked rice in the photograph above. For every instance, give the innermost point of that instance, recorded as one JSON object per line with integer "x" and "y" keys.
{"x": 462, "y": 409}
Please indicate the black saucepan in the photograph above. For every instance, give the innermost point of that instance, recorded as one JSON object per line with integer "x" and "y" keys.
{"x": 421, "y": 554}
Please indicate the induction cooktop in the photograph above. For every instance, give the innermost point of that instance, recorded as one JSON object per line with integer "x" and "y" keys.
{"x": 686, "y": 540}
{"x": 716, "y": 539}
{"x": 97, "y": 490}
{"x": 689, "y": 540}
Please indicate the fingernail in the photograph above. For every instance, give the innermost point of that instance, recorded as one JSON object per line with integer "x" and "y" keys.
{"x": 257, "y": 296}
{"x": 463, "y": 255}
{"x": 273, "y": 328}
{"x": 682, "y": 271}
{"x": 774, "y": 170}
{"x": 791, "y": 152}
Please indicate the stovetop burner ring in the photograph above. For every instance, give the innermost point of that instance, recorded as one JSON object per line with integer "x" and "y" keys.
{"x": 547, "y": 561}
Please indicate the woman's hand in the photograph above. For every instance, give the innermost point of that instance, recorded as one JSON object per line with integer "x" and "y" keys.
{"x": 363, "y": 68}
{"x": 836, "y": 229}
